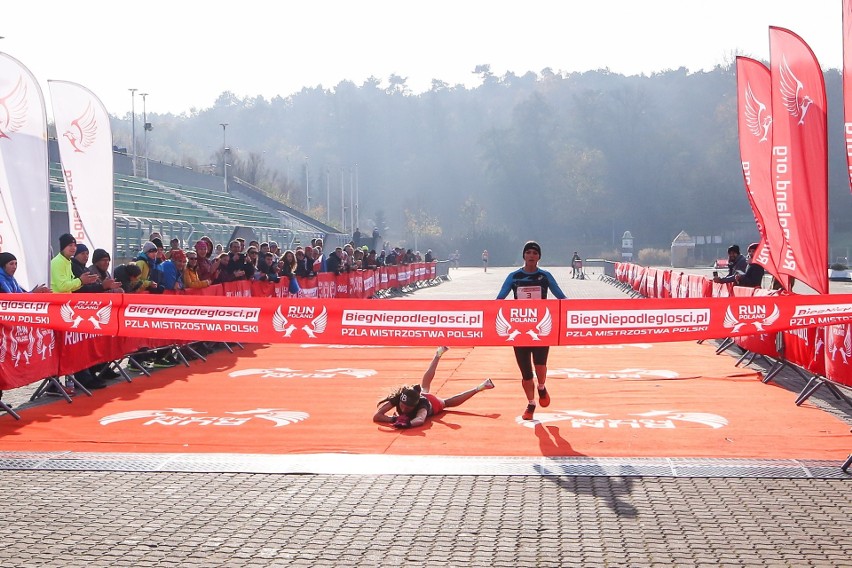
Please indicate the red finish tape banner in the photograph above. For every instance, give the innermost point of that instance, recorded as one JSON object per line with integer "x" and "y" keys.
{"x": 421, "y": 322}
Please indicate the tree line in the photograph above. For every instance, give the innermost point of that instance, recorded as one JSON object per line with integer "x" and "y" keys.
{"x": 570, "y": 159}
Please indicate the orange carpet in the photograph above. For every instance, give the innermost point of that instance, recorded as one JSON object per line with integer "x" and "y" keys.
{"x": 660, "y": 400}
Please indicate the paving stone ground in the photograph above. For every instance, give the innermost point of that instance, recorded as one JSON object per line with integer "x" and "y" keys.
{"x": 142, "y": 519}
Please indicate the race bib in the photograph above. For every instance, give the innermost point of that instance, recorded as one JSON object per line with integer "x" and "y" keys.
{"x": 529, "y": 292}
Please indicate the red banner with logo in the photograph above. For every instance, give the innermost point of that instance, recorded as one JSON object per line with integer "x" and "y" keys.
{"x": 805, "y": 347}
{"x": 482, "y": 322}
{"x": 699, "y": 286}
{"x": 326, "y": 285}
{"x": 754, "y": 113}
{"x": 847, "y": 84}
{"x": 80, "y": 351}
{"x": 799, "y": 164}
{"x": 238, "y": 288}
{"x": 29, "y": 350}
{"x": 27, "y": 354}
{"x": 838, "y": 353}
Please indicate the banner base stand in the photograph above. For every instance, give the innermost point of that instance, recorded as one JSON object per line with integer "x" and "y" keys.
{"x": 58, "y": 389}
{"x": 116, "y": 367}
{"x": 9, "y": 411}
{"x": 194, "y": 353}
{"x": 78, "y": 386}
{"x": 136, "y": 365}
{"x": 726, "y": 344}
{"x": 175, "y": 352}
{"x": 751, "y": 356}
{"x": 774, "y": 370}
{"x": 814, "y": 385}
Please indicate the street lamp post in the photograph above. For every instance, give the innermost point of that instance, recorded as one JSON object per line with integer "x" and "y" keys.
{"x": 133, "y": 126}
{"x": 224, "y": 126}
{"x": 357, "y": 199}
{"x": 352, "y": 224}
{"x": 307, "y": 185}
{"x": 342, "y": 200}
{"x": 145, "y": 128}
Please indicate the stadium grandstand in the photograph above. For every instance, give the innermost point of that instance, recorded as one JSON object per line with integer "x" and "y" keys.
{"x": 181, "y": 203}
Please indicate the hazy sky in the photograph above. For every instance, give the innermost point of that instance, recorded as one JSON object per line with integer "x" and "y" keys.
{"x": 185, "y": 53}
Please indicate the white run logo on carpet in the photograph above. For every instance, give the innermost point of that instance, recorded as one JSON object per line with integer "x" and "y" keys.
{"x": 287, "y": 373}
{"x": 615, "y": 374}
{"x": 190, "y": 417}
{"x": 665, "y": 419}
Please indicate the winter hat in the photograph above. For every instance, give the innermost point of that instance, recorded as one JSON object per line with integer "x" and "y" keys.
{"x": 99, "y": 254}
{"x": 178, "y": 254}
{"x": 66, "y": 239}
{"x": 532, "y": 245}
{"x": 157, "y": 242}
{"x": 81, "y": 248}
{"x": 6, "y": 258}
{"x": 149, "y": 247}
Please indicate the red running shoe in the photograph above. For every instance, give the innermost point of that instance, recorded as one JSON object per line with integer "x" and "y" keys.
{"x": 543, "y": 397}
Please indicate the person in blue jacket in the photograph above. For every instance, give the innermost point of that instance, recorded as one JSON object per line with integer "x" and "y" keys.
{"x": 531, "y": 283}
{"x": 8, "y": 283}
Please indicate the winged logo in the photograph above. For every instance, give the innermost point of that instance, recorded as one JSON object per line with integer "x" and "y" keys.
{"x": 629, "y": 373}
{"x": 22, "y": 334}
{"x": 757, "y": 118}
{"x": 81, "y": 133}
{"x": 819, "y": 344}
{"x": 735, "y": 324}
{"x": 137, "y": 414}
{"x": 317, "y": 325}
{"x": 543, "y": 327}
{"x": 731, "y": 321}
{"x": 792, "y": 92}
{"x": 13, "y": 109}
{"x": 44, "y": 348}
{"x": 846, "y": 349}
{"x": 102, "y": 316}
{"x": 703, "y": 418}
{"x": 652, "y": 419}
{"x": 278, "y": 416}
{"x": 544, "y": 417}
{"x": 279, "y": 323}
{"x": 768, "y": 320}
{"x": 250, "y": 372}
{"x": 356, "y": 373}
{"x": 69, "y": 315}
{"x": 504, "y": 328}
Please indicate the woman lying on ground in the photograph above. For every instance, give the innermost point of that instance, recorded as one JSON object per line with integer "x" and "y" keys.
{"x": 414, "y": 404}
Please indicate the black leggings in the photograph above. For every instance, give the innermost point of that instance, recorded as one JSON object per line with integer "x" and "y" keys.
{"x": 529, "y": 356}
